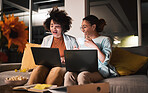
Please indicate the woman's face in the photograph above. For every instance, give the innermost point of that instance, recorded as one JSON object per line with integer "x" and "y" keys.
{"x": 86, "y": 28}
{"x": 55, "y": 29}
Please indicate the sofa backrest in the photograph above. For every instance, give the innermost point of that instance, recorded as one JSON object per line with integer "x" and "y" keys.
{"x": 140, "y": 50}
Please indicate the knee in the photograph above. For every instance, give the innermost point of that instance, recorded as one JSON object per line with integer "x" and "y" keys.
{"x": 57, "y": 70}
{"x": 56, "y": 76}
{"x": 70, "y": 79}
{"x": 83, "y": 78}
{"x": 68, "y": 75}
{"x": 41, "y": 68}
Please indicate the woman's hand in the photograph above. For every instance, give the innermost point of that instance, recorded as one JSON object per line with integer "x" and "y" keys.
{"x": 63, "y": 60}
{"x": 75, "y": 48}
{"x": 90, "y": 43}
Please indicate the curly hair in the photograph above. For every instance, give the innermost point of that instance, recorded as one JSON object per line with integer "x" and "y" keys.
{"x": 59, "y": 17}
{"x": 100, "y": 23}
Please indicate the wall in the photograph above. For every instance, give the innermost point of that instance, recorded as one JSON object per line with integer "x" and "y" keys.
{"x": 37, "y": 18}
{"x": 77, "y": 9}
{"x": 118, "y": 24}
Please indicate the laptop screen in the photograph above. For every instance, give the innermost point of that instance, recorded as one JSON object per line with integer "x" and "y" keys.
{"x": 81, "y": 60}
{"x": 48, "y": 57}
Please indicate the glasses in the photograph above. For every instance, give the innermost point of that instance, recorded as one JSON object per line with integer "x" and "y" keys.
{"x": 81, "y": 28}
{"x": 84, "y": 27}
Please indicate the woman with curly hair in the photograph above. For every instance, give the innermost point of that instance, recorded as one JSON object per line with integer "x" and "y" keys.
{"x": 58, "y": 23}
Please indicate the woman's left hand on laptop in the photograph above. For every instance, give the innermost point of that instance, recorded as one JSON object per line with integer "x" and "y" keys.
{"x": 63, "y": 60}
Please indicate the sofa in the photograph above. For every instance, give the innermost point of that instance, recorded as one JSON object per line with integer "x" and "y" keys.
{"x": 133, "y": 83}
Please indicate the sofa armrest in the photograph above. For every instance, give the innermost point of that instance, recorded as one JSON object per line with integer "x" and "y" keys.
{"x": 9, "y": 66}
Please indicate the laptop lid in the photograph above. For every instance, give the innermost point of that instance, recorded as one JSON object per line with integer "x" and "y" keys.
{"x": 81, "y": 60}
{"x": 48, "y": 57}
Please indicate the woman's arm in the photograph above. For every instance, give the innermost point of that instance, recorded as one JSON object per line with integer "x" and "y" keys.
{"x": 91, "y": 44}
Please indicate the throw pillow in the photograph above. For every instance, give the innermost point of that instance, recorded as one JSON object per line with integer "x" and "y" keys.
{"x": 125, "y": 62}
{"x": 28, "y": 60}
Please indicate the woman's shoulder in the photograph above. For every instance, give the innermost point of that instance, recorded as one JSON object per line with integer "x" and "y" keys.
{"x": 48, "y": 36}
{"x": 102, "y": 38}
{"x": 69, "y": 36}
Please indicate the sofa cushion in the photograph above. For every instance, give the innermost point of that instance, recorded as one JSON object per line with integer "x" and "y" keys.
{"x": 140, "y": 50}
{"x": 28, "y": 60}
{"x": 128, "y": 84}
{"x": 126, "y": 62}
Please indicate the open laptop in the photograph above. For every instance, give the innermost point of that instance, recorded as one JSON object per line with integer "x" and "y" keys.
{"x": 81, "y": 60}
{"x": 48, "y": 57}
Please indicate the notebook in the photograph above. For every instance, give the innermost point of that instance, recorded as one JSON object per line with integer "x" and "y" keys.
{"x": 81, "y": 60}
{"x": 48, "y": 57}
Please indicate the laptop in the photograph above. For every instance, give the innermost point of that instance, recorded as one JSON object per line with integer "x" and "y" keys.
{"x": 81, "y": 60}
{"x": 48, "y": 57}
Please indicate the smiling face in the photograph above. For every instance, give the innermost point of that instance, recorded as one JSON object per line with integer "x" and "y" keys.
{"x": 87, "y": 29}
{"x": 55, "y": 29}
